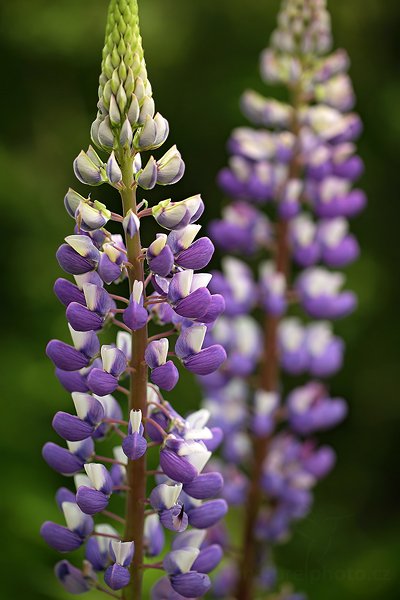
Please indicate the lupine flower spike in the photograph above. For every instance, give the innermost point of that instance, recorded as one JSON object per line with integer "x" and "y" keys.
{"x": 290, "y": 180}
{"x": 117, "y": 511}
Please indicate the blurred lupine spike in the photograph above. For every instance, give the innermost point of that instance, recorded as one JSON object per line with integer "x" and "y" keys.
{"x": 291, "y": 184}
{"x": 162, "y": 290}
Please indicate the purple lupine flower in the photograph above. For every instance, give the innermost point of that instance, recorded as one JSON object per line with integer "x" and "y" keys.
{"x": 65, "y": 539}
{"x": 166, "y": 288}
{"x": 163, "y": 373}
{"x": 94, "y": 498}
{"x": 293, "y": 175}
{"x": 105, "y": 381}
{"x": 135, "y": 445}
{"x": 201, "y": 361}
{"x": 135, "y": 316}
{"x": 90, "y": 413}
{"x": 117, "y": 576}
{"x": 68, "y": 461}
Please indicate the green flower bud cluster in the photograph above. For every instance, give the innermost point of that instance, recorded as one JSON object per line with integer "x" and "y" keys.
{"x": 125, "y": 106}
{"x": 304, "y": 28}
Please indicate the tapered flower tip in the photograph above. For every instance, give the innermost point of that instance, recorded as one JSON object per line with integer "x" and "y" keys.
{"x": 208, "y": 559}
{"x": 68, "y": 292}
{"x": 61, "y": 460}
{"x": 166, "y": 376}
{"x": 154, "y": 538}
{"x": 71, "y": 578}
{"x": 101, "y": 383}
{"x": 177, "y": 467}
{"x": 205, "y": 485}
{"x": 117, "y": 577}
{"x": 60, "y": 538}
{"x": 122, "y": 552}
{"x": 71, "y": 428}
{"x": 134, "y": 446}
{"x": 91, "y": 501}
{"x": 191, "y": 584}
{"x": 208, "y": 514}
{"x": 66, "y": 357}
{"x": 174, "y": 519}
{"x": 206, "y": 361}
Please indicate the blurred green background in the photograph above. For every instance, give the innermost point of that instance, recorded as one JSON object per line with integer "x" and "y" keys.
{"x": 201, "y": 55}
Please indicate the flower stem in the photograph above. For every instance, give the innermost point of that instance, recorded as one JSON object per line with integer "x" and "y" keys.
{"x": 136, "y": 470}
{"x": 269, "y": 381}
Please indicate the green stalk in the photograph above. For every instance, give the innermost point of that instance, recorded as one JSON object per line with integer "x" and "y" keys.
{"x": 269, "y": 381}
{"x": 136, "y": 470}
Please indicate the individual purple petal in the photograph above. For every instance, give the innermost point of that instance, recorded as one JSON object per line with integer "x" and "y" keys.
{"x": 66, "y": 357}
{"x": 166, "y": 376}
{"x": 91, "y": 501}
{"x": 117, "y": 577}
{"x": 83, "y": 319}
{"x": 205, "y": 485}
{"x": 176, "y": 467}
{"x": 72, "y": 381}
{"x": 191, "y": 584}
{"x": 108, "y": 270}
{"x": 209, "y": 513}
{"x": 135, "y": 316}
{"x": 94, "y": 554}
{"x": 320, "y": 462}
{"x": 101, "y": 383}
{"x": 206, "y": 361}
{"x": 134, "y": 446}
{"x": 71, "y": 428}
{"x": 208, "y": 559}
{"x": 62, "y": 460}
{"x": 215, "y": 309}
{"x": 72, "y": 262}
{"x": 195, "y": 305}
{"x": 197, "y": 256}
{"x": 64, "y": 495}
{"x": 60, "y": 538}
{"x": 71, "y": 578}
{"x": 68, "y": 292}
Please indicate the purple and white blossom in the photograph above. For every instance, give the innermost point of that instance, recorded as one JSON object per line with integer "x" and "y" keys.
{"x": 291, "y": 182}
{"x": 161, "y": 316}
